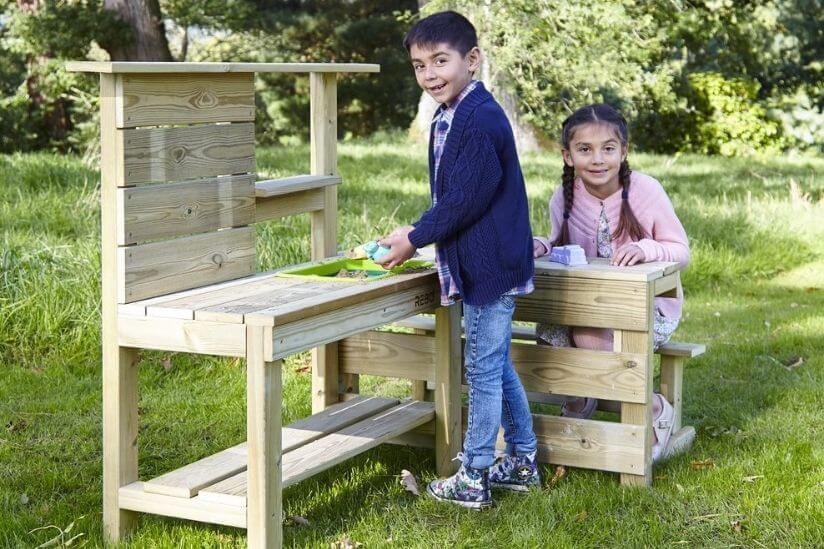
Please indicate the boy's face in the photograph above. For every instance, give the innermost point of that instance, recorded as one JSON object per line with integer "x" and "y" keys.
{"x": 596, "y": 153}
{"x": 442, "y": 71}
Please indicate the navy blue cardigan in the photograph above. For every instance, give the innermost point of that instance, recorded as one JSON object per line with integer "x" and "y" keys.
{"x": 481, "y": 218}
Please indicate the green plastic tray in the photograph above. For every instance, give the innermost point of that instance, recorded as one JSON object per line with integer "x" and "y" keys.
{"x": 329, "y": 271}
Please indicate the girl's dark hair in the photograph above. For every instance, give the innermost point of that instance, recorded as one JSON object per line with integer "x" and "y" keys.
{"x": 602, "y": 114}
{"x": 447, "y": 27}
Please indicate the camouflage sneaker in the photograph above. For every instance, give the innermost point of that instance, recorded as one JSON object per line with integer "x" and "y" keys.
{"x": 467, "y": 488}
{"x": 518, "y": 473}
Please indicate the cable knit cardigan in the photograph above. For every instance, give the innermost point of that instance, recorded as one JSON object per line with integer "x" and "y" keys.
{"x": 654, "y": 211}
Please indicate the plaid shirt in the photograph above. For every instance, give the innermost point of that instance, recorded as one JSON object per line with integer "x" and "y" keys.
{"x": 442, "y": 123}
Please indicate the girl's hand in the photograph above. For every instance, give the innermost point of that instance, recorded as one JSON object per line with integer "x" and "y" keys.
{"x": 401, "y": 248}
{"x": 629, "y": 254}
{"x": 538, "y": 248}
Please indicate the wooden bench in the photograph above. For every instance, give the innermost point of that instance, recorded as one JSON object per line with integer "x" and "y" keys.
{"x": 594, "y": 295}
{"x": 179, "y": 199}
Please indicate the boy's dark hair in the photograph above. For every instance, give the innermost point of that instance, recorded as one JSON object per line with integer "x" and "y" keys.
{"x": 447, "y": 27}
{"x": 598, "y": 114}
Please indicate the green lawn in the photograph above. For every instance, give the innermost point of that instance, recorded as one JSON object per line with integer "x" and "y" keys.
{"x": 755, "y": 296}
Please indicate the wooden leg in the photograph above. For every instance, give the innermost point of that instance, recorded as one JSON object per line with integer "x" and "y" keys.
{"x": 447, "y": 388}
{"x": 419, "y": 385}
{"x": 639, "y": 414}
{"x": 263, "y": 426}
{"x": 324, "y": 377}
{"x": 672, "y": 376}
{"x": 119, "y": 435}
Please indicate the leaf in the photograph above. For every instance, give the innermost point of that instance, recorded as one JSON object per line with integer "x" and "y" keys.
{"x": 581, "y": 517}
{"x": 700, "y": 465}
{"x": 409, "y": 483}
{"x": 17, "y": 425}
{"x": 166, "y": 363}
{"x": 345, "y": 543}
{"x": 303, "y": 370}
{"x": 24, "y": 499}
{"x": 752, "y": 478}
{"x": 298, "y": 520}
{"x": 737, "y": 525}
{"x": 560, "y": 472}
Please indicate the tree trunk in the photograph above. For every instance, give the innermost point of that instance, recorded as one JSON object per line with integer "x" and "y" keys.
{"x": 148, "y": 41}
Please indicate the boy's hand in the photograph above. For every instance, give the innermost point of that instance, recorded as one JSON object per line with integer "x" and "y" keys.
{"x": 538, "y": 248}
{"x": 629, "y": 254}
{"x": 401, "y": 250}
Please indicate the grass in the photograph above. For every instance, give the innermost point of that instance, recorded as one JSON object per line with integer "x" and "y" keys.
{"x": 755, "y": 295}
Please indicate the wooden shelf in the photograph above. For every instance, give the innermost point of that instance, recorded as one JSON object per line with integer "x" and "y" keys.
{"x": 288, "y": 185}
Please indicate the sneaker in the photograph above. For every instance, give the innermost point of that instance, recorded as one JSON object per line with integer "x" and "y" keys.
{"x": 517, "y": 473}
{"x": 467, "y": 488}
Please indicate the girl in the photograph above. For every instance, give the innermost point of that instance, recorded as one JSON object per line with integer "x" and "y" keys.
{"x": 612, "y": 212}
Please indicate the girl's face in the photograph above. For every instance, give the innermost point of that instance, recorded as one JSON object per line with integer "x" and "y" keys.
{"x": 442, "y": 71}
{"x": 596, "y": 152}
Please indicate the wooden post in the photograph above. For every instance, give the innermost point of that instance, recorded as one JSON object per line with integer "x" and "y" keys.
{"x": 672, "y": 376}
{"x": 326, "y": 382}
{"x": 119, "y": 363}
{"x": 447, "y": 388}
{"x": 263, "y": 432}
{"x": 640, "y": 414}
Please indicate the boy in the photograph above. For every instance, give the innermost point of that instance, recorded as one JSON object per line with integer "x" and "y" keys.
{"x": 479, "y": 221}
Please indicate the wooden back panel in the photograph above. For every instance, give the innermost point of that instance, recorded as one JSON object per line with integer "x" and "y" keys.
{"x": 184, "y": 163}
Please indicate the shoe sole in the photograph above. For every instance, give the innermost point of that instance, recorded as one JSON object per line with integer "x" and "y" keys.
{"x": 475, "y": 505}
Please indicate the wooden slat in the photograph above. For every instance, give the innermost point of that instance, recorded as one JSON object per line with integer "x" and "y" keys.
{"x": 581, "y": 372}
{"x": 640, "y": 414}
{"x": 185, "y": 336}
{"x": 165, "y": 99}
{"x": 125, "y": 67}
{"x": 339, "y": 323}
{"x": 330, "y": 450}
{"x": 297, "y": 183}
{"x": 152, "y": 155}
{"x": 688, "y": 350}
{"x": 585, "y": 302}
{"x": 133, "y": 497}
{"x": 179, "y": 209}
{"x": 187, "y": 481}
{"x": 589, "y": 444}
{"x": 600, "y": 269}
{"x": 427, "y": 324}
{"x": 269, "y": 293}
{"x": 666, "y": 286}
{"x": 448, "y": 361}
{"x": 291, "y": 204}
{"x": 159, "y": 268}
{"x": 390, "y": 355}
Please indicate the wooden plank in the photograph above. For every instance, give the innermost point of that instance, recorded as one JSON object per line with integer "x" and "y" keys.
{"x": 600, "y": 269}
{"x": 640, "y": 414}
{"x": 426, "y": 323}
{"x": 159, "y": 268}
{"x": 327, "y": 381}
{"x": 291, "y": 204}
{"x": 165, "y": 155}
{"x": 185, "y": 336}
{"x": 119, "y": 364}
{"x": 193, "y": 207}
{"x": 134, "y": 67}
{"x": 581, "y": 372}
{"x": 340, "y": 323}
{"x": 133, "y": 497}
{"x": 330, "y": 450}
{"x": 348, "y": 294}
{"x": 667, "y": 286}
{"x": 253, "y": 297}
{"x": 188, "y": 480}
{"x": 165, "y": 99}
{"x": 390, "y": 355}
{"x": 448, "y": 361}
{"x": 687, "y": 350}
{"x": 139, "y": 308}
{"x": 263, "y": 426}
{"x": 590, "y": 444}
{"x": 672, "y": 379}
{"x": 289, "y": 185}
{"x": 585, "y": 302}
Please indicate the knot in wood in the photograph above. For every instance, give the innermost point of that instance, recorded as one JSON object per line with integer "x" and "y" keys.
{"x": 178, "y": 154}
{"x": 217, "y": 259}
{"x": 631, "y": 364}
{"x": 205, "y": 99}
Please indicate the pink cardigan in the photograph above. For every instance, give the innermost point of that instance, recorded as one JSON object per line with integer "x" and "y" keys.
{"x": 654, "y": 211}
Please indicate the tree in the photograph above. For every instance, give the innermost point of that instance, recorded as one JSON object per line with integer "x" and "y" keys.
{"x": 148, "y": 34}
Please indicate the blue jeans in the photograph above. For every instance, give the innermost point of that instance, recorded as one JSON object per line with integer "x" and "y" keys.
{"x": 496, "y": 396}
